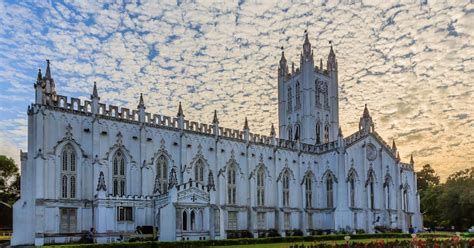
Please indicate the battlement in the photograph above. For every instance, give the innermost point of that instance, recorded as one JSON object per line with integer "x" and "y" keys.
{"x": 407, "y": 166}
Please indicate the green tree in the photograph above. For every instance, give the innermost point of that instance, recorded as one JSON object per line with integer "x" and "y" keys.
{"x": 427, "y": 178}
{"x": 9, "y": 180}
{"x": 456, "y": 201}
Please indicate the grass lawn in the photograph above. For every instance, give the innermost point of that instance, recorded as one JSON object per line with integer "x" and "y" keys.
{"x": 286, "y": 245}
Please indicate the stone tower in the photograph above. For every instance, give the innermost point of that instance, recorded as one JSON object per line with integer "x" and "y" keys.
{"x": 308, "y": 102}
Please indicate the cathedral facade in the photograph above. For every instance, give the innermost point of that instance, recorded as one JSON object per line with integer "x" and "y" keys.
{"x": 91, "y": 165}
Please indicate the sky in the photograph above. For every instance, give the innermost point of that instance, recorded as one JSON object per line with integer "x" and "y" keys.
{"x": 411, "y": 62}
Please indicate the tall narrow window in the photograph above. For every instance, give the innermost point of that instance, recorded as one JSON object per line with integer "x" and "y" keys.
{"x": 318, "y": 133}
{"x": 325, "y": 93}
{"x": 261, "y": 220}
{"x": 286, "y": 189}
{"x": 217, "y": 221}
{"x": 317, "y": 94}
{"x": 118, "y": 176}
{"x": 68, "y": 172}
{"x": 162, "y": 173}
{"x": 290, "y": 133}
{"x": 286, "y": 223}
{"x": 199, "y": 172}
{"x": 260, "y": 187}
{"x": 297, "y": 132}
{"x": 298, "y": 96}
{"x": 387, "y": 191}
{"x": 308, "y": 183}
{"x": 231, "y": 186}
{"x": 352, "y": 191}
{"x": 405, "y": 200}
{"x": 290, "y": 100}
{"x": 326, "y": 133}
{"x": 372, "y": 200}
{"x": 185, "y": 220}
{"x": 329, "y": 192}
{"x": 193, "y": 220}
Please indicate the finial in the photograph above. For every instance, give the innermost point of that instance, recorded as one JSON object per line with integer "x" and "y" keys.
{"x": 272, "y": 131}
{"x": 394, "y": 146}
{"x": 246, "y": 124}
{"x": 398, "y": 156}
{"x": 340, "y": 132}
{"x": 321, "y": 64}
{"x": 141, "y": 103}
{"x": 180, "y": 110}
{"x": 215, "y": 120}
{"x": 94, "y": 91}
{"x": 366, "y": 111}
{"x": 411, "y": 159}
{"x": 40, "y": 77}
{"x": 282, "y": 59}
{"x": 48, "y": 70}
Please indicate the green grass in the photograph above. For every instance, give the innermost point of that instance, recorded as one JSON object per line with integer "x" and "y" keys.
{"x": 286, "y": 245}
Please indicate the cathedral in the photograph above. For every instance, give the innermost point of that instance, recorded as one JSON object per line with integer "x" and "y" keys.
{"x": 92, "y": 165}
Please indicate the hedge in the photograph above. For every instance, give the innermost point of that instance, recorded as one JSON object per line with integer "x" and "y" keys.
{"x": 245, "y": 241}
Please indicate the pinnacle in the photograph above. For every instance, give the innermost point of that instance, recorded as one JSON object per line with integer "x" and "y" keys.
{"x": 215, "y": 120}
{"x": 180, "y": 110}
{"x": 246, "y": 124}
{"x": 272, "y": 131}
{"x": 94, "y": 90}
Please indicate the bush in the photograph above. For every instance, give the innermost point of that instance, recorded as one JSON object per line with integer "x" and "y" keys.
{"x": 238, "y": 234}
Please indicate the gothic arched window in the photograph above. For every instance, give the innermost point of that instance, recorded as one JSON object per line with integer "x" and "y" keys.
{"x": 317, "y": 93}
{"x": 199, "y": 172}
{"x": 231, "y": 185}
{"x": 405, "y": 199}
{"x": 329, "y": 192}
{"x": 290, "y": 133}
{"x": 260, "y": 187}
{"x": 298, "y": 96}
{"x": 308, "y": 185}
{"x": 352, "y": 191}
{"x": 297, "y": 132}
{"x": 118, "y": 176}
{"x": 318, "y": 133}
{"x": 326, "y": 95}
{"x": 68, "y": 172}
{"x": 193, "y": 220}
{"x": 162, "y": 173}
{"x": 326, "y": 133}
{"x": 371, "y": 182}
{"x": 290, "y": 100}
{"x": 185, "y": 220}
{"x": 286, "y": 188}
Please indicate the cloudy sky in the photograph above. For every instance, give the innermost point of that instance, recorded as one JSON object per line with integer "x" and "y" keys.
{"x": 411, "y": 62}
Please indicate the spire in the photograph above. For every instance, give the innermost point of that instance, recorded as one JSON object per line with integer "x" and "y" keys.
{"x": 398, "y": 156}
{"x": 306, "y": 46}
{"x": 340, "y": 132}
{"x": 283, "y": 69}
{"x": 332, "y": 62}
{"x": 411, "y": 159}
{"x": 180, "y": 110}
{"x": 40, "y": 77}
{"x": 215, "y": 120}
{"x": 321, "y": 65}
{"x": 141, "y": 103}
{"x": 366, "y": 111}
{"x": 272, "y": 131}
{"x": 246, "y": 124}
{"x": 94, "y": 91}
{"x": 394, "y": 146}
{"x": 48, "y": 70}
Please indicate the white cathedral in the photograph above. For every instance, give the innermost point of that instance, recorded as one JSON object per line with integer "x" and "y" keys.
{"x": 94, "y": 165}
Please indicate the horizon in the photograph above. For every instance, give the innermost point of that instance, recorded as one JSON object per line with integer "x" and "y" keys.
{"x": 413, "y": 75}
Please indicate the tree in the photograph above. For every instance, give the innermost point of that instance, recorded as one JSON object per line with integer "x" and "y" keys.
{"x": 426, "y": 178}
{"x": 9, "y": 180}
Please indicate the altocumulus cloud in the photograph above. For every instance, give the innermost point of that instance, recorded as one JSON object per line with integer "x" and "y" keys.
{"x": 412, "y": 63}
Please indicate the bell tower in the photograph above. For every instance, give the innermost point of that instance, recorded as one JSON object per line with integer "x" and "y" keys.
{"x": 308, "y": 101}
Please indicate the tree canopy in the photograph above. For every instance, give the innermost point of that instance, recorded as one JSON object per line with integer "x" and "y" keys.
{"x": 447, "y": 204}
{"x": 9, "y": 180}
